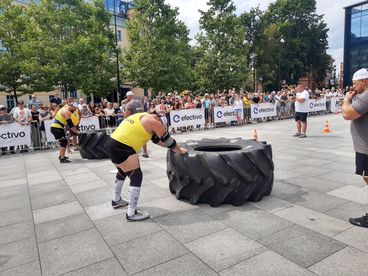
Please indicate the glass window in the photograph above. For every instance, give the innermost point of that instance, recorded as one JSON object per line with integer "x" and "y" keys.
{"x": 73, "y": 94}
{"x": 2, "y": 48}
{"x": 364, "y": 26}
{"x": 10, "y": 102}
{"x": 355, "y": 26}
{"x": 118, "y": 34}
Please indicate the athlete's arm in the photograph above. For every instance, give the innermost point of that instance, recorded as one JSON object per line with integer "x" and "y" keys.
{"x": 348, "y": 112}
{"x": 67, "y": 116}
{"x": 160, "y": 136}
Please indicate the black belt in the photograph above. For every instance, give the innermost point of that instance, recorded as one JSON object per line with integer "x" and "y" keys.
{"x": 59, "y": 123}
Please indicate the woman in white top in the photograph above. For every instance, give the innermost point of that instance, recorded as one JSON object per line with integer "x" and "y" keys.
{"x": 110, "y": 115}
{"x": 238, "y": 109}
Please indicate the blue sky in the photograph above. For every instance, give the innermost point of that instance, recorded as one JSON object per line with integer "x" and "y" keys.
{"x": 334, "y": 16}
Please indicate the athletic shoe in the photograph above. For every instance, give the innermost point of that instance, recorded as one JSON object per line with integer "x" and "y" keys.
{"x": 64, "y": 160}
{"x": 138, "y": 215}
{"x": 12, "y": 152}
{"x": 120, "y": 203}
{"x": 76, "y": 148}
{"x": 297, "y": 134}
{"x": 65, "y": 157}
{"x": 362, "y": 221}
{"x": 145, "y": 155}
{"x": 303, "y": 136}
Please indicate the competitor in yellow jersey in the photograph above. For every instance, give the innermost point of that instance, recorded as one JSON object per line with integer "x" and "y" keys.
{"x": 63, "y": 119}
{"x": 134, "y": 132}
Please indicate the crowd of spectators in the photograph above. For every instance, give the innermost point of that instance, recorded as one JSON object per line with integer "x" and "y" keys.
{"x": 110, "y": 114}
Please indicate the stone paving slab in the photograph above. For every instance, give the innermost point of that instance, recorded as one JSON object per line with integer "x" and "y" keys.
{"x": 57, "y": 218}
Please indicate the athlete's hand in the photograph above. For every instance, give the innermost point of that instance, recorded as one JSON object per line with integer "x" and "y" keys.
{"x": 182, "y": 151}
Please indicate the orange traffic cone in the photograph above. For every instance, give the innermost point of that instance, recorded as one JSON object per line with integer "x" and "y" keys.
{"x": 326, "y": 128}
{"x": 255, "y": 135}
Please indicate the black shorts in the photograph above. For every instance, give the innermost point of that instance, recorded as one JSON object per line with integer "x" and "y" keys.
{"x": 119, "y": 152}
{"x": 361, "y": 163}
{"x": 59, "y": 134}
{"x": 301, "y": 116}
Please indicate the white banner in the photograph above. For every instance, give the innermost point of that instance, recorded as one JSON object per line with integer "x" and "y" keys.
{"x": 317, "y": 105}
{"x": 187, "y": 117}
{"x": 263, "y": 110}
{"x": 225, "y": 114}
{"x": 90, "y": 123}
{"x": 49, "y": 136}
{"x": 15, "y": 134}
{"x": 336, "y": 104}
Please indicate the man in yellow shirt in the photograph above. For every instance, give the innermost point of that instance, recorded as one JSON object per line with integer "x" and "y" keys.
{"x": 131, "y": 135}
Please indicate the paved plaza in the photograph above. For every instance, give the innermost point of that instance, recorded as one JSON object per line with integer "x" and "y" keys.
{"x": 57, "y": 218}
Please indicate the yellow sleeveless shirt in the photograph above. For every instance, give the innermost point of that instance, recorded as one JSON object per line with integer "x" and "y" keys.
{"x": 59, "y": 120}
{"x": 131, "y": 132}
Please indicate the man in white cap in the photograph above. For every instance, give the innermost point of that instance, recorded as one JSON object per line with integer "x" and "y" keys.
{"x": 357, "y": 112}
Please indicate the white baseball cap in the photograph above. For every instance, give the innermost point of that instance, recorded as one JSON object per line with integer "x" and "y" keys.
{"x": 73, "y": 104}
{"x": 360, "y": 74}
{"x": 130, "y": 93}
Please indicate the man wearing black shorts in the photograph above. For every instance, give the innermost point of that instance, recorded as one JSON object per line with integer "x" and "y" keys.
{"x": 357, "y": 113}
{"x": 301, "y": 111}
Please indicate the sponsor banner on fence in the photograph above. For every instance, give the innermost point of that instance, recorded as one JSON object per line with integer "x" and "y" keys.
{"x": 187, "y": 117}
{"x": 225, "y": 114}
{"x": 90, "y": 123}
{"x": 14, "y": 134}
{"x": 336, "y": 103}
{"x": 49, "y": 136}
{"x": 317, "y": 105}
{"x": 263, "y": 110}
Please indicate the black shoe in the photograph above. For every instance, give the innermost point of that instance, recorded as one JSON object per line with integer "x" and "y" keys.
{"x": 145, "y": 155}
{"x": 65, "y": 157}
{"x": 64, "y": 160}
{"x": 361, "y": 222}
{"x": 12, "y": 152}
{"x": 297, "y": 134}
{"x": 303, "y": 136}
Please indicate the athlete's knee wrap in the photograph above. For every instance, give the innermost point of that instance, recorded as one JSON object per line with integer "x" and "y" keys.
{"x": 136, "y": 177}
{"x": 63, "y": 142}
{"x": 120, "y": 175}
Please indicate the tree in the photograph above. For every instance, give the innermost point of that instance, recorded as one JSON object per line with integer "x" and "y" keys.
{"x": 222, "y": 49}
{"x": 13, "y": 74}
{"x": 305, "y": 42}
{"x": 72, "y": 46}
{"x": 159, "y": 56}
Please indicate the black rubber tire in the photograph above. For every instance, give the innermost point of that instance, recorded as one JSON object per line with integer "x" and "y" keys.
{"x": 92, "y": 144}
{"x": 233, "y": 171}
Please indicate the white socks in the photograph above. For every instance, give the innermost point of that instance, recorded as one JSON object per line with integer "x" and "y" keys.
{"x": 133, "y": 199}
{"x": 117, "y": 189}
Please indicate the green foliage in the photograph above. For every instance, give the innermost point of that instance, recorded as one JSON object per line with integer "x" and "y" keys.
{"x": 305, "y": 43}
{"x": 159, "y": 56}
{"x": 72, "y": 46}
{"x": 13, "y": 22}
{"x": 221, "y": 52}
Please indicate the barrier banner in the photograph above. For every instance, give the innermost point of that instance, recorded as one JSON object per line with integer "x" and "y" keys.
{"x": 49, "y": 136}
{"x": 15, "y": 134}
{"x": 187, "y": 117}
{"x": 317, "y": 105}
{"x": 263, "y": 110}
{"x": 90, "y": 123}
{"x": 336, "y": 103}
{"x": 225, "y": 114}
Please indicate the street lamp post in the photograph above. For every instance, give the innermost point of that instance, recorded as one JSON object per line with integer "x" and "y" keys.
{"x": 117, "y": 55}
{"x": 282, "y": 41}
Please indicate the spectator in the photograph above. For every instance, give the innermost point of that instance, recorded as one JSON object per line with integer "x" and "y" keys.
{"x": 110, "y": 115}
{"x": 55, "y": 99}
{"x": 101, "y": 116}
{"x": 238, "y": 109}
{"x": 246, "y": 108}
{"x": 301, "y": 108}
{"x": 22, "y": 116}
{"x": 35, "y": 131}
{"x": 5, "y": 119}
{"x": 81, "y": 102}
{"x": 357, "y": 112}
{"x": 45, "y": 114}
{"x": 34, "y": 101}
{"x": 85, "y": 112}
{"x": 91, "y": 107}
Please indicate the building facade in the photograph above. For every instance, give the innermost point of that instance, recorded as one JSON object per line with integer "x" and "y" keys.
{"x": 356, "y": 40}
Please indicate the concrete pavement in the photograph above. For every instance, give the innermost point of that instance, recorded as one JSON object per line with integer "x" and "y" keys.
{"x": 57, "y": 219}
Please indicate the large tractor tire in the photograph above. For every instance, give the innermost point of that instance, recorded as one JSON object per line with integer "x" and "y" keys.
{"x": 217, "y": 171}
{"x": 92, "y": 144}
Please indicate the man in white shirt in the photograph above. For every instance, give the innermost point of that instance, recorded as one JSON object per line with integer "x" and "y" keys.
{"x": 301, "y": 111}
